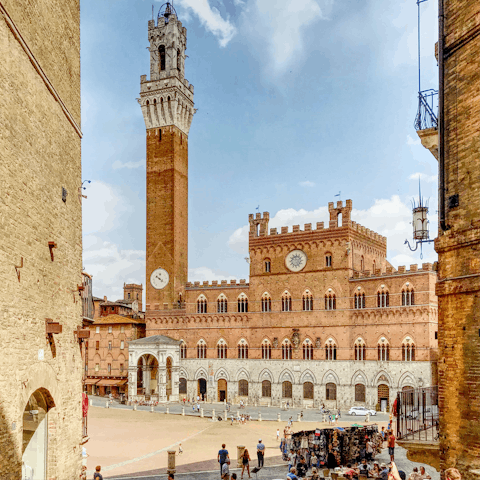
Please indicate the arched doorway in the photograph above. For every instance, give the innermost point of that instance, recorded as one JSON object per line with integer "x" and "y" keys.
{"x": 35, "y": 434}
{"x": 202, "y": 388}
{"x": 147, "y": 372}
{"x": 383, "y": 396}
{"x": 169, "y": 377}
{"x": 222, "y": 390}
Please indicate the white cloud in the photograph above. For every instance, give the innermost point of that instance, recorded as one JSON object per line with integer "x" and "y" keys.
{"x": 307, "y": 183}
{"x": 211, "y": 19}
{"x": 117, "y": 164}
{"x": 111, "y": 266}
{"x": 278, "y": 30}
{"x": 389, "y": 217}
{"x": 102, "y": 207}
{"x": 411, "y": 141}
{"x": 423, "y": 177}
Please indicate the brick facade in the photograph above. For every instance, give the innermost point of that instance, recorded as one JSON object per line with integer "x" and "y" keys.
{"x": 40, "y": 237}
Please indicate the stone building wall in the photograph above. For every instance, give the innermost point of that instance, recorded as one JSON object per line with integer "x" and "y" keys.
{"x": 458, "y": 246}
{"x": 40, "y": 145}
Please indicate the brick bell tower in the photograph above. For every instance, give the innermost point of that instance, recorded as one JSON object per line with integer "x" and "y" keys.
{"x": 167, "y": 106}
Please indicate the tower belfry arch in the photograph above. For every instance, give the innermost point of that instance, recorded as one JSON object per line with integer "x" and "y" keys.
{"x": 166, "y": 100}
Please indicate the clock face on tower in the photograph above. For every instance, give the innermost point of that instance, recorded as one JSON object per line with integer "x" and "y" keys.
{"x": 296, "y": 260}
{"x": 159, "y": 278}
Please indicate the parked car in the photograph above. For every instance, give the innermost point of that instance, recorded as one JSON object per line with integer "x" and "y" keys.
{"x": 361, "y": 411}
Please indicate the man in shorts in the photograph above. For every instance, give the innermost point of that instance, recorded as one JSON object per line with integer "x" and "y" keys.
{"x": 222, "y": 457}
{"x": 391, "y": 445}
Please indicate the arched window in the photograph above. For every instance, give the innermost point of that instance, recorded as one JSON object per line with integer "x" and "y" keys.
{"x": 308, "y": 391}
{"x": 408, "y": 350}
{"x": 383, "y": 299}
{"x": 268, "y": 265}
{"x": 286, "y": 350}
{"x": 286, "y": 389}
{"x": 183, "y": 349}
{"x": 330, "y": 301}
{"x": 307, "y": 301}
{"x": 179, "y": 58}
{"x": 243, "y": 388}
{"x": 360, "y": 392}
{"x": 202, "y": 304}
{"x": 243, "y": 303}
{"x": 359, "y": 300}
{"x": 266, "y": 388}
{"x": 222, "y": 304}
{"x": 286, "y": 302}
{"x": 328, "y": 259}
{"x": 360, "y": 349}
{"x": 408, "y": 296}
{"x": 307, "y": 349}
{"x": 330, "y": 350}
{"x": 182, "y": 385}
{"x": 266, "y": 350}
{"x": 161, "y": 52}
{"x": 339, "y": 219}
{"x": 330, "y": 391}
{"x": 383, "y": 349}
{"x": 242, "y": 349}
{"x": 266, "y": 303}
{"x": 201, "y": 349}
{"x": 222, "y": 348}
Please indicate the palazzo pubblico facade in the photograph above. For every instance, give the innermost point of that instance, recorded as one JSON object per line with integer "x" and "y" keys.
{"x": 324, "y": 317}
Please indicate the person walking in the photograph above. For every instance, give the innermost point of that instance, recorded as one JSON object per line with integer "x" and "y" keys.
{"x": 278, "y": 434}
{"x": 226, "y": 470}
{"x": 246, "y": 463}
{"x": 180, "y": 449}
{"x": 260, "y": 453}
{"x": 391, "y": 446}
{"x": 222, "y": 457}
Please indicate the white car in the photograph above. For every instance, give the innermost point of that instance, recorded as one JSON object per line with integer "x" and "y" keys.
{"x": 361, "y": 411}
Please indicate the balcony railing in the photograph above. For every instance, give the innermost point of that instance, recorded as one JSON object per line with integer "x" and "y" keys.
{"x": 427, "y": 106}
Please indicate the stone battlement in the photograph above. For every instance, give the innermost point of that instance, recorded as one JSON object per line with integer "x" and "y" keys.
{"x": 217, "y": 284}
{"x": 426, "y": 267}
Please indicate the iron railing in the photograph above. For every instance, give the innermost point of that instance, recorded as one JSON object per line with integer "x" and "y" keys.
{"x": 417, "y": 414}
{"x": 427, "y": 106}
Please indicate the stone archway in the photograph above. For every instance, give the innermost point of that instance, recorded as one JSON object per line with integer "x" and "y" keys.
{"x": 35, "y": 434}
{"x": 169, "y": 377}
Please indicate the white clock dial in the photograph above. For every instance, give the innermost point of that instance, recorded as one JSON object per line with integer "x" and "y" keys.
{"x": 159, "y": 278}
{"x": 296, "y": 260}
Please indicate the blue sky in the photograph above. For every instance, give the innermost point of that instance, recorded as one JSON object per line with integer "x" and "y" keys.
{"x": 297, "y": 100}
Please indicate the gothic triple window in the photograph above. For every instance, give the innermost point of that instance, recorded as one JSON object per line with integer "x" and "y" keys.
{"x": 243, "y": 349}
{"x": 202, "y": 304}
{"x": 286, "y": 302}
{"x": 266, "y": 350}
{"x": 287, "y": 350}
{"x": 383, "y": 349}
{"x": 408, "y": 296}
{"x": 408, "y": 350}
{"x": 201, "y": 349}
{"x": 183, "y": 349}
{"x": 242, "y": 303}
{"x": 222, "y": 304}
{"x": 330, "y": 350}
{"x": 359, "y": 299}
{"x": 307, "y": 349}
{"x": 222, "y": 348}
{"x": 330, "y": 301}
{"x": 383, "y": 299}
{"x": 307, "y": 301}
{"x": 266, "y": 303}
{"x": 360, "y": 349}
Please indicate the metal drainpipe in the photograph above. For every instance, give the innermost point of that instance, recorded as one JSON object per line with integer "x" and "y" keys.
{"x": 441, "y": 126}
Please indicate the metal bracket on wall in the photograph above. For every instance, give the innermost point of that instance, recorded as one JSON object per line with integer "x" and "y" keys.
{"x": 17, "y": 268}
{"x": 51, "y": 246}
